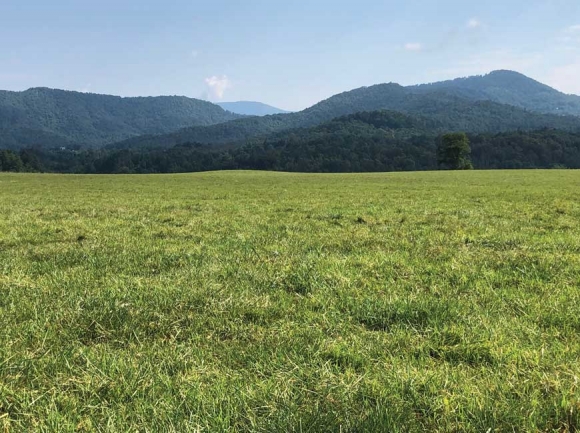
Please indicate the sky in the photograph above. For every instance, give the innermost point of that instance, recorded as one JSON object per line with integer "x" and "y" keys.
{"x": 290, "y": 54}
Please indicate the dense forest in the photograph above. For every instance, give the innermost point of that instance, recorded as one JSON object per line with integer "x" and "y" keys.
{"x": 55, "y": 118}
{"x": 363, "y": 142}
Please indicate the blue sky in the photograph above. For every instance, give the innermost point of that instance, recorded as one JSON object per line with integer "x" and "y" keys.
{"x": 290, "y": 53}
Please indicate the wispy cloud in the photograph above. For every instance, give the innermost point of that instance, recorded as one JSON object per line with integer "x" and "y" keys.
{"x": 569, "y": 39}
{"x": 470, "y": 32}
{"x": 218, "y": 85}
{"x": 195, "y": 54}
{"x": 413, "y": 46}
{"x": 473, "y": 23}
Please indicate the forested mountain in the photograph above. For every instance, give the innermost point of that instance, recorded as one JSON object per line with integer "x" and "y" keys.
{"x": 48, "y": 118}
{"x": 511, "y": 88}
{"x": 449, "y": 112}
{"x": 375, "y": 141}
{"x": 389, "y": 141}
{"x": 248, "y": 108}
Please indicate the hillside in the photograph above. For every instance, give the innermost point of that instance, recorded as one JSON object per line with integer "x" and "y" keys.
{"x": 508, "y": 87}
{"x": 449, "y": 112}
{"x": 46, "y": 117}
{"x": 249, "y": 108}
{"x": 363, "y": 142}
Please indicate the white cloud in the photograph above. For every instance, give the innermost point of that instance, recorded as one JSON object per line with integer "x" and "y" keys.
{"x": 573, "y": 29}
{"x": 218, "y": 86}
{"x": 195, "y": 54}
{"x": 413, "y": 46}
{"x": 473, "y": 23}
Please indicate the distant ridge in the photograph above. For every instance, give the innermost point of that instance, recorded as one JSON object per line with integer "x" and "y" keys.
{"x": 511, "y": 88}
{"x": 250, "y": 108}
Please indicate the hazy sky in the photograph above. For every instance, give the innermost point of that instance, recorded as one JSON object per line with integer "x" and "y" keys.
{"x": 289, "y": 53}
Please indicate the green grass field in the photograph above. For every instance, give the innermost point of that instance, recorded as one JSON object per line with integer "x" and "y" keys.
{"x": 262, "y": 302}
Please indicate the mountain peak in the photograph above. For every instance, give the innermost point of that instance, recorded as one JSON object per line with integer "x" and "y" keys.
{"x": 509, "y": 88}
{"x": 504, "y": 74}
{"x": 508, "y": 72}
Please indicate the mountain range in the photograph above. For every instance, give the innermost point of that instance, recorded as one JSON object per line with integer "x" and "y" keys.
{"x": 449, "y": 110}
{"x": 498, "y": 102}
{"x": 249, "y": 108}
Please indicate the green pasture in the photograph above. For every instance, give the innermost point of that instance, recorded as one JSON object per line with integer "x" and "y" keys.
{"x": 274, "y": 302}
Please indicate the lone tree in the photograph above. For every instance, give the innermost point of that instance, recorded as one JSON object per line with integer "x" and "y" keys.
{"x": 10, "y": 161}
{"x": 453, "y": 152}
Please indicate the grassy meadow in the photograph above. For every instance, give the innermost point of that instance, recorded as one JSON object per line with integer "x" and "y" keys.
{"x": 273, "y": 302}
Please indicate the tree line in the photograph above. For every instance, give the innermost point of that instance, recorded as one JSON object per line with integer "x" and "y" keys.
{"x": 350, "y": 149}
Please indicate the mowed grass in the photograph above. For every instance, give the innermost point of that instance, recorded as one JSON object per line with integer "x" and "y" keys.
{"x": 262, "y": 302}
